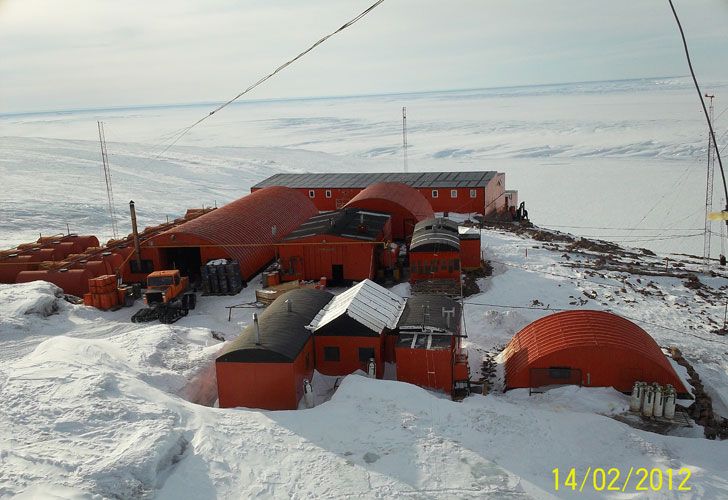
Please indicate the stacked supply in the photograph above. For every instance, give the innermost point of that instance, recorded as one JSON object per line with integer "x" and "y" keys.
{"x": 104, "y": 293}
{"x": 221, "y": 277}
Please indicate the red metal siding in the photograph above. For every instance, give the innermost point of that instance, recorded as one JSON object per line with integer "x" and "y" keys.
{"x": 247, "y": 221}
{"x": 431, "y": 368}
{"x": 269, "y": 386}
{"x": 428, "y": 265}
{"x": 462, "y": 204}
{"x": 349, "y": 352}
{"x": 405, "y": 204}
{"x": 73, "y": 281}
{"x": 608, "y": 349}
{"x": 470, "y": 254}
{"x": 312, "y": 258}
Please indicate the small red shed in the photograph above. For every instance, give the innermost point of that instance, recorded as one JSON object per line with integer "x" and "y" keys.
{"x": 434, "y": 253}
{"x": 589, "y": 348}
{"x": 350, "y": 331}
{"x": 265, "y": 367}
{"x": 470, "y": 253}
{"x": 406, "y": 205}
{"x": 428, "y": 350}
{"x": 343, "y": 245}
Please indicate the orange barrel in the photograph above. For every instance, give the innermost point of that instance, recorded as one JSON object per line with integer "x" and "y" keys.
{"x": 63, "y": 249}
{"x": 14, "y": 264}
{"x": 121, "y": 294}
{"x": 83, "y": 241}
{"x": 88, "y": 299}
{"x": 96, "y": 299}
{"x": 42, "y": 255}
{"x": 113, "y": 261}
{"x": 72, "y": 281}
{"x": 322, "y": 281}
{"x": 96, "y": 267}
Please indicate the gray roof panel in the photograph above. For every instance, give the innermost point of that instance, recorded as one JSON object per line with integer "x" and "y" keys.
{"x": 362, "y": 180}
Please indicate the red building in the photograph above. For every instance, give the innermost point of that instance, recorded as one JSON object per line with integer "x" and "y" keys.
{"x": 350, "y": 331}
{"x": 265, "y": 367}
{"x": 405, "y": 204}
{"x": 589, "y": 348}
{"x": 428, "y": 350}
{"x": 434, "y": 253}
{"x": 245, "y": 230}
{"x": 470, "y": 251}
{"x": 343, "y": 245}
{"x": 459, "y": 192}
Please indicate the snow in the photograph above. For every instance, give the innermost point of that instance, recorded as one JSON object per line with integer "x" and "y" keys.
{"x": 94, "y": 405}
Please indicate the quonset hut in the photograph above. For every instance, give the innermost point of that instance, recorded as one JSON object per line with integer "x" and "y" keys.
{"x": 405, "y": 204}
{"x": 589, "y": 348}
{"x": 435, "y": 251}
{"x": 245, "y": 230}
{"x": 265, "y": 366}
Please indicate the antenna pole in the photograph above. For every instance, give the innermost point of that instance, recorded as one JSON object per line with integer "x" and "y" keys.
{"x": 107, "y": 178}
{"x": 709, "y": 187}
{"x": 404, "y": 136}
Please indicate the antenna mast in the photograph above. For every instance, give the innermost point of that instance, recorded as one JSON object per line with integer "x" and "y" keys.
{"x": 709, "y": 187}
{"x": 404, "y": 136}
{"x": 107, "y": 178}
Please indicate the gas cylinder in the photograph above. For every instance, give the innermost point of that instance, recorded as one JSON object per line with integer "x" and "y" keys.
{"x": 635, "y": 402}
{"x": 659, "y": 401}
{"x": 372, "y": 368}
{"x": 308, "y": 394}
{"x": 648, "y": 403}
{"x": 669, "y": 409}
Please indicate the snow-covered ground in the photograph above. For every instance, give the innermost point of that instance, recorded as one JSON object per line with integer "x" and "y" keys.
{"x": 621, "y": 160}
{"x": 91, "y": 404}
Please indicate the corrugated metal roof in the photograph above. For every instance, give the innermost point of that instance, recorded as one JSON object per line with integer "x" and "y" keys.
{"x": 434, "y": 235}
{"x": 596, "y": 330}
{"x": 361, "y": 180}
{"x": 430, "y": 311}
{"x": 283, "y": 333}
{"x": 349, "y": 222}
{"x": 395, "y": 194}
{"x": 247, "y": 221}
{"x": 368, "y": 303}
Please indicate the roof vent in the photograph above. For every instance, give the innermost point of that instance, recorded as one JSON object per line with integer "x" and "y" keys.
{"x": 289, "y": 305}
{"x": 257, "y": 329}
{"x": 448, "y": 314}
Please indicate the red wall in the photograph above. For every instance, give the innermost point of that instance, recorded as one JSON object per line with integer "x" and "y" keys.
{"x": 269, "y": 386}
{"x": 420, "y": 260}
{"x": 349, "y": 354}
{"x": 431, "y": 368}
{"x": 470, "y": 254}
{"x": 315, "y": 261}
{"x": 607, "y": 366}
{"x": 444, "y": 202}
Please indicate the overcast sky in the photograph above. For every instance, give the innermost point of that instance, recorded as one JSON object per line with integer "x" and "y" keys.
{"x": 65, "y": 54}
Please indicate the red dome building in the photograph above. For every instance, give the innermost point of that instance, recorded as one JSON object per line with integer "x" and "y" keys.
{"x": 589, "y": 348}
{"x": 406, "y": 205}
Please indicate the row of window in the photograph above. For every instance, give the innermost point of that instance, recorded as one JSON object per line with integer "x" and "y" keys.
{"x": 334, "y": 354}
{"x": 431, "y": 266}
{"x": 424, "y": 341}
{"x": 435, "y": 193}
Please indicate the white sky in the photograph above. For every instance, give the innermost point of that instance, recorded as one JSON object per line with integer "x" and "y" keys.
{"x": 65, "y": 54}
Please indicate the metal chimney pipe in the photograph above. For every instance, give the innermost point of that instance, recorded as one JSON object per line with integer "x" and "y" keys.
{"x": 289, "y": 305}
{"x": 135, "y": 231}
{"x": 257, "y": 329}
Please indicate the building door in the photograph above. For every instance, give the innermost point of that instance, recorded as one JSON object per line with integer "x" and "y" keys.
{"x": 337, "y": 274}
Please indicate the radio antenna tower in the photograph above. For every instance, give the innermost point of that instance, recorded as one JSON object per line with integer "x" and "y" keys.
{"x": 107, "y": 178}
{"x": 709, "y": 187}
{"x": 404, "y": 136}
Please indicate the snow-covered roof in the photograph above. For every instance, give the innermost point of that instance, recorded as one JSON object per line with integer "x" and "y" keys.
{"x": 368, "y": 303}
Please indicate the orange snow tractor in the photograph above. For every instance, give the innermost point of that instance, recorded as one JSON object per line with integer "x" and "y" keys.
{"x": 166, "y": 298}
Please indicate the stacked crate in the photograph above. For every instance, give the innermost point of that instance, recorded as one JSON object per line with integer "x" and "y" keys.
{"x": 103, "y": 293}
{"x": 221, "y": 278}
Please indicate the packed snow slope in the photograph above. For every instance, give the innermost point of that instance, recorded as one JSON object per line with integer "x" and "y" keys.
{"x": 621, "y": 160}
{"x": 95, "y": 405}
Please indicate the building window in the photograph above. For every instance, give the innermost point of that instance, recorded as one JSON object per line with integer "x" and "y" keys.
{"x": 453, "y": 193}
{"x": 328, "y": 193}
{"x": 473, "y": 193}
{"x": 332, "y": 354}
{"x": 434, "y": 193}
{"x": 311, "y": 193}
{"x": 365, "y": 354}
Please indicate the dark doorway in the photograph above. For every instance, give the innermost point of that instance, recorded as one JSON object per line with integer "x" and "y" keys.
{"x": 337, "y": 274}
{"x": 187, "y": 260}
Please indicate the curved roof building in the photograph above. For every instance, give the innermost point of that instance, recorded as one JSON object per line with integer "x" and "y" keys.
{"x": 593, "y": 348}
{"x": 406, "y": 205}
